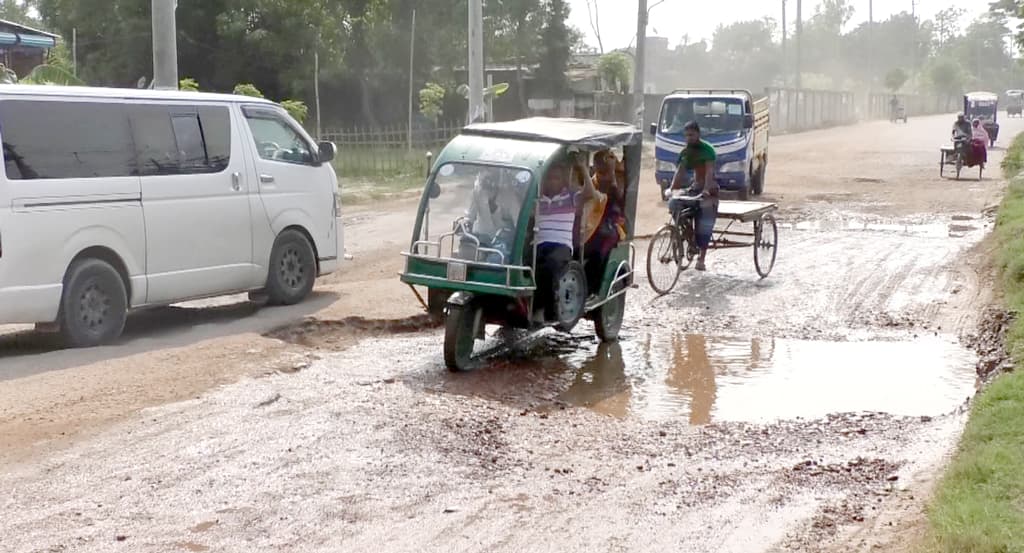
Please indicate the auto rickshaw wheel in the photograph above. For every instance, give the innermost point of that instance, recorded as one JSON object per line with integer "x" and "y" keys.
{"x": 608, "y": 319}
{"x": 460, "y": 332}
{"x": 570, "y": 296}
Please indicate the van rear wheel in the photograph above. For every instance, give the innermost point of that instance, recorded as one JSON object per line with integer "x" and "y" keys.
{"x": 292, "y": 269}
{"x": 94, "y": 305}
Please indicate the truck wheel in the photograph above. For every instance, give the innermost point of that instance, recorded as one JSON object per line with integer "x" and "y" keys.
{"x": 292, "y": 269}
{"x": 94, "y": 305}
{"x": 746, "y": 190}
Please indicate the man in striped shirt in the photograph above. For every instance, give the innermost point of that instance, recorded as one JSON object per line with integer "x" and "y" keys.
{"x": 559, "y": 205}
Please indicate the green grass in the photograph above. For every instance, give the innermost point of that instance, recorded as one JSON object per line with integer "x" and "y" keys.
{"x": 979, "y": 504}
{"x": 1013, "y": 163}
{"x": 373, "y": 174}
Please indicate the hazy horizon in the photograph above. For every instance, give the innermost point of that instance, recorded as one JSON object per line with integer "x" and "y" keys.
{"x": 672, "y": 20}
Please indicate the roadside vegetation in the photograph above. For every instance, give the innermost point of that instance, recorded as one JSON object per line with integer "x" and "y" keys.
{"x": 979, "y": 504}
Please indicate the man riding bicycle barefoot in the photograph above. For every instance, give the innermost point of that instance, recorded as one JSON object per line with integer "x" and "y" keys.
{"x": 698, "y": 156}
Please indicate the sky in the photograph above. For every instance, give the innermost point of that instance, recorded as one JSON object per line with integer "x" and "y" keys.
{"x": 675, "y": 18}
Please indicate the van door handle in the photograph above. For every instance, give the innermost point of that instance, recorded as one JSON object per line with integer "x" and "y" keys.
{"x": 266, "y": 179}
{"x": 236, "y": 181}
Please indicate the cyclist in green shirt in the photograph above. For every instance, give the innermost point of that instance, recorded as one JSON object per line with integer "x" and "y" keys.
{"x": 698, "y": 156}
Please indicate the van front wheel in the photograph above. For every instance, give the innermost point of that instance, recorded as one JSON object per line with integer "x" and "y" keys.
{"x": 94, "y": 305}
{"x": 292, "y": 269}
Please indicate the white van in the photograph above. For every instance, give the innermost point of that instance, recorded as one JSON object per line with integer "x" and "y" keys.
{"x": 113, "y": 200}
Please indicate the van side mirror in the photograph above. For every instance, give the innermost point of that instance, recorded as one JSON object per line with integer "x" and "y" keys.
{"x": 654, "y": 129}
{"x": 327, "y": 151}
{"x": 748, "y": 121}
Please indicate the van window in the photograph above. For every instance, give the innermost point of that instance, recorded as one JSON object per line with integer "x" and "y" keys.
{"x": 63, "y": 140}
{"x": 171, "y": 140}
{"x": 191, "y": 148}
{"x": 276, "y": 140}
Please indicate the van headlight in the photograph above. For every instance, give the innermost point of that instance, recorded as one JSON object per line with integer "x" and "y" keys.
{"x": 732, "y": 167}
{"x": 666, "y": 167}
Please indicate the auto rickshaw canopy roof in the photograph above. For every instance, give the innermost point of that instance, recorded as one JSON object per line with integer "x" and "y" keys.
{"x": 981, "y": 97}
{"x": 582, "y": 133}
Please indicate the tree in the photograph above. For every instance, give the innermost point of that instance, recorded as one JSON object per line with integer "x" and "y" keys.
{"x": 556, "y": 49}
{"x": 297, "y": 109}
{"x": 615, "y": 69}
{"x": 594, "y": 16}
{"x": 246, "y": 89}
{"x": 51, "y": 75}
{"x": 188, "y": 84}
{"x": 431, "y": 101}
{"x": 947, "y": 24}
{"x": 947, "y": 76}
{"x": 18, "y": 11}
{"x": 895, "y": 79}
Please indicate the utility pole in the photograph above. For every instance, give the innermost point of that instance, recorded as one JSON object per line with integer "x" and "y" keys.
{"x": 785, "y": 72}
{"x": 913, "y": 8}
{"x": 165, "y": 45}
{"x": 871, "y": 45}
{"x": 638, "y": 69}
{"x": 799, "y": 39}
{"x": 316, "y": 85}
{"x": 476, "y": 60}
{"x": 74, "y": 51}
{"x": 412, "y": 54}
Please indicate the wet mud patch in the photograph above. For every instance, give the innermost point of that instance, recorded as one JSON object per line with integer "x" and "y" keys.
{"x": 524, "y": 370}
{"x": 338, "y": 334}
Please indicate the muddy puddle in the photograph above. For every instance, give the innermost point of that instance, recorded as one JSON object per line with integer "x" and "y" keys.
{"x": 703, "y": 379}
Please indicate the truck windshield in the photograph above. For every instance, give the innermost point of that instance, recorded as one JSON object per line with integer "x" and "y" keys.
{"x": 714, "y": 115}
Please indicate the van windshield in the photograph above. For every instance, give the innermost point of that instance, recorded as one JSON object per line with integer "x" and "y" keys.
{"x": 481, "y": 205}
{"x": 714, "y": 115}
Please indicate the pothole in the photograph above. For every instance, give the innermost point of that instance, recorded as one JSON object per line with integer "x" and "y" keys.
{"x": 338, "y": 334}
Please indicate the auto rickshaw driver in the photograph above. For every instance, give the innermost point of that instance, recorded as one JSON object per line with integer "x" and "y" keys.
{"x": 492, "y": 214}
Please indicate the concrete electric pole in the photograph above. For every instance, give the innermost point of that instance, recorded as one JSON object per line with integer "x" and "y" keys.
{"x": 476, "y": 61}
{"x": 638, "y": 64}
{"x": 165, "y": 45}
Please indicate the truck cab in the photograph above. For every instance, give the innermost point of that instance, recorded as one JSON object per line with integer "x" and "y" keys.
{"x": 730, "y": 120}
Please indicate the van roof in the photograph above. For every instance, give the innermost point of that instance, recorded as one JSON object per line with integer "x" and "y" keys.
{"x": 122, "y": 93}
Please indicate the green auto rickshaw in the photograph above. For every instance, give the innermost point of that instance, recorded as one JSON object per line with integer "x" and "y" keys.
{"x": 474, "y": 246}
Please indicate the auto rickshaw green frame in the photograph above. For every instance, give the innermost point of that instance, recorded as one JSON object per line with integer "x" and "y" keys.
{"x": 469, "y": 293}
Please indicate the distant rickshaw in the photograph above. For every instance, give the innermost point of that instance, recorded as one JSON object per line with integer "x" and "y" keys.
{"x": 476, "y": 275}
{"x": 1015, "y": 103}
{"x": 983, "y": 106}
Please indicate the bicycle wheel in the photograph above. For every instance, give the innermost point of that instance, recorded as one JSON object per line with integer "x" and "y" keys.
{"x": 663, "y": 259}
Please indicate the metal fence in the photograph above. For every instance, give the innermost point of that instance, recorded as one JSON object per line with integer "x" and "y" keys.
{"x": 387, "y": 151}
{"x": 795, "y": 110}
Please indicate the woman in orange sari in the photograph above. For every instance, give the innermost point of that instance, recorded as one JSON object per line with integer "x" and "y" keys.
{"x": 604, "y": 224}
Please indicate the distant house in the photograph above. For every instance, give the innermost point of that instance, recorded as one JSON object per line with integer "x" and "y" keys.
{"x": 22, "y": 48}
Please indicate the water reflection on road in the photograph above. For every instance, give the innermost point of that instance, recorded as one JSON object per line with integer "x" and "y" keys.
{"x": 701, "y": 379}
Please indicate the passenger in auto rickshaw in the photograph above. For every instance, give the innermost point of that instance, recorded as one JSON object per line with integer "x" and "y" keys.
{"x": 979, "y": 143}
{"x": 559, "y": 204}
{"x": 603, "y": 223}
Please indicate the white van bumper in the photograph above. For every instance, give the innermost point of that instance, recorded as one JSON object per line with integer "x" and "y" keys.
{"x": 30, "y": 304}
